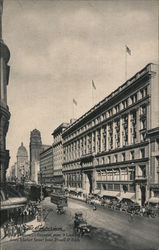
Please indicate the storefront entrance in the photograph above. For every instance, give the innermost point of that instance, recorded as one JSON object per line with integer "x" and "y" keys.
{"x": 88, "y": 182}
{"x": 143, "y": 195}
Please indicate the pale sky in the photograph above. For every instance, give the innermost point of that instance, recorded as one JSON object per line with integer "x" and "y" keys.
{"x": 59, "y": 46}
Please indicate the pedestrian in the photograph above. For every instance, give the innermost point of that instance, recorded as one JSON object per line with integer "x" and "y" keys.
{"x": 22, "y": 217}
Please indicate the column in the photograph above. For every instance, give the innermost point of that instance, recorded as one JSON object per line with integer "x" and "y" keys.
{"x": 86, "y": 144}
{"x": 114, "y": 131}
{"x": 129, "y": 129}
{"x": 101, "y": 138}
{"x": 83, "y": 181}
{"x": 138, "y": 125}
{"x": 95, "y": 141}
{"x": 94, "y": 175}
{"x": 107, "y": 142}
{"x": 121, "y": 135}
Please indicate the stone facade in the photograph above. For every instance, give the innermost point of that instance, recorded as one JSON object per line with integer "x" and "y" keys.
{"x": 114, "y": 147}
{"x": 58, "y": 153}
{"x": 4, "y": 110}
{"x": 46, "y": 166}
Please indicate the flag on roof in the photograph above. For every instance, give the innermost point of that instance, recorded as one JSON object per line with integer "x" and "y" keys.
{"x": 128, "y": 50}
{"x": 93, "y": 85}
{"x": 74, "y": 101}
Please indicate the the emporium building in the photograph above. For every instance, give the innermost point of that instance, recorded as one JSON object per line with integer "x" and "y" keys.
{"x": 113, "y": 149}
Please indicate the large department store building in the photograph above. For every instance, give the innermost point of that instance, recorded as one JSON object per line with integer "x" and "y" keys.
{"x": 113, "y": 149}
{"x": 58, "y": 153}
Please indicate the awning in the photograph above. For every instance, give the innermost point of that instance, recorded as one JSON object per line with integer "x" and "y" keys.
{"x": 154, "y": 200}
{"x": 72, "y": 189}
{"x": 109, "y": 193}
{"x": 127, "y": 195}
{"x": 79, "y": 190}
{"x": 97, "y": 191}
{"x": 13, "y": 203}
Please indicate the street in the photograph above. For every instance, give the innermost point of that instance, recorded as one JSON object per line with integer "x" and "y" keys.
{"x": 109, "y": 230}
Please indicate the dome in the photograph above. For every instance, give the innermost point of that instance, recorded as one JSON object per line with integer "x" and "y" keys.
{"x": 22, "y": 151}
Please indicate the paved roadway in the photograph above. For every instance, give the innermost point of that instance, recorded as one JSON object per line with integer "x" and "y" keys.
{"x": 110, "y": 230}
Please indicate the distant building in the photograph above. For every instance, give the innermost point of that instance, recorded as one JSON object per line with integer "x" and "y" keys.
{"x": 46, "y": 166}
{"x": 22, "y": 164}
{"x": 35, "y": 150}
{"x": 58, "y": 153}
{"x": 113, "y": 149}
{"x": 12, "y": 174}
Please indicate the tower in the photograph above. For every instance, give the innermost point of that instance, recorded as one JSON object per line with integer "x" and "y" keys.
{"x": 4, "y": 110}
{"x": 35, "y": 150}
{"x": 22, "y": 163}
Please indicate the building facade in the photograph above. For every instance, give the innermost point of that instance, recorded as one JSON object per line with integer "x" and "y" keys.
{"x": 8, "y": 203}
{"x": 4, "y": 109}
{"x": 46, "y": 166}
{"x": 35, "y": 150}
{"x": 58, "y": 153}
{"x": 113, "y": 149}
{"x": 22, "y": 165}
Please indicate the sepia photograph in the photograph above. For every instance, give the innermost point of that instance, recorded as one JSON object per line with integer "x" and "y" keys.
{"x": 79, "y": 124}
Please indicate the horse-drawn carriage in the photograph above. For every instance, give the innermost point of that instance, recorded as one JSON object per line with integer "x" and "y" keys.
{"x": 80, "y": 224}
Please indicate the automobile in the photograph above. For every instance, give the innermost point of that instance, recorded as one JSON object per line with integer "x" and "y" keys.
{"x": 134, "y": 208}
{"x": 80, "y": 224}
{"x": 151, "y": 209}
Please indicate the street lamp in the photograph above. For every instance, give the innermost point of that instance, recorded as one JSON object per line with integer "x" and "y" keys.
{"x": 41, "y": 193}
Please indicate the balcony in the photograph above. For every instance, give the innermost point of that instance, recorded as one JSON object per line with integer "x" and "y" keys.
{"x": 140, "y": 178}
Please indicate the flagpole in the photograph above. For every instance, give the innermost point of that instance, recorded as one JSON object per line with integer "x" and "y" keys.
{"x": 92, "y": 97}
{"x": 73, "y": 110}
{"x": 125, "y": 64}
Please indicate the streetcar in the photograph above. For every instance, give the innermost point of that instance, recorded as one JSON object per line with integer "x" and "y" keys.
{"x": 58, "y": 196}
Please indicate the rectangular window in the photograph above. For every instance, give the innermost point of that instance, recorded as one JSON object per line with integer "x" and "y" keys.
{"x": 132, "y": 155}
{"x": 115, "y": 158}
{"x": 110, "y": 186}
{"x": 117, "y": 187}
{"x": 142, "y": 153}
{"x": 123, "y": 156}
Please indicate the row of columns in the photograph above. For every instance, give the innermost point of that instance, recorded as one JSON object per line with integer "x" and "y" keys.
{"x": 83, "y": 146}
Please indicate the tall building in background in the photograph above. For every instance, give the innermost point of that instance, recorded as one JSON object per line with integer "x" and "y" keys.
{"x": 113, "y": 149}
{"x": 22, "y": 165}
{"x": 46, "y": 166}
{"x": 36, "y": 147}
{"x": 4, "y": 110}
{"x": 58, "y": 153}
{"x": 35, "y": 150}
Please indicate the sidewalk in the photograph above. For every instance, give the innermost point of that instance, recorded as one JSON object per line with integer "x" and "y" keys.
{"x": 31, "y": 227}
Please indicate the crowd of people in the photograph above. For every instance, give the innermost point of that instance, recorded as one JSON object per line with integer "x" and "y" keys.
{"x": 16, "y": 225}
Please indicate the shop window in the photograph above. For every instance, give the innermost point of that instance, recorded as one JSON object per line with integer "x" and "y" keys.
{"x": 132, "y": 188}
{"x": 110, "y": 186}
{"x": 99, "y": 186}
{"x": 104, "y": 187}
{"x": 117, "y": 187}
{"x": 125, "y": 188}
